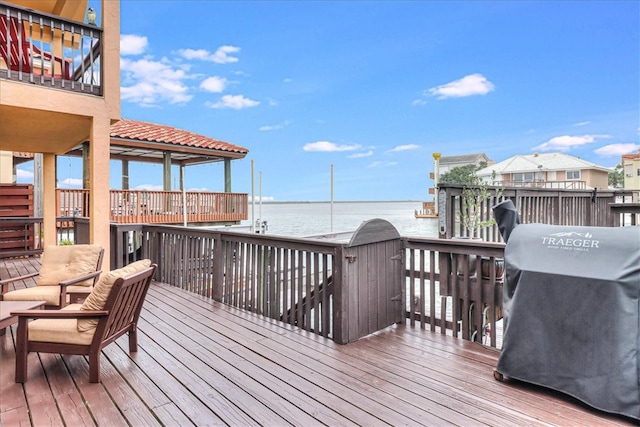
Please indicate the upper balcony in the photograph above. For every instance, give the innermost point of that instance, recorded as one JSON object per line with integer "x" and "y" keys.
{"x": 48, "y": 50}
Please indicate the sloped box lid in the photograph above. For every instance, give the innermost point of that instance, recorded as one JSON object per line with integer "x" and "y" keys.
{"x": 571, "y": 312}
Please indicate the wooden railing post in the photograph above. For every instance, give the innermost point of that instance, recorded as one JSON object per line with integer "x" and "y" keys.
{"x": 218, "y": 266}
{"x": 340, "y": 299}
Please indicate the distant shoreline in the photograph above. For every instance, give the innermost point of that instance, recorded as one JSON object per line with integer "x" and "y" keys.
{"x": 273, "y": 202}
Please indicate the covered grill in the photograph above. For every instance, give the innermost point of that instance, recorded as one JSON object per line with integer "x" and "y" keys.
{"x": 571, "y": 310}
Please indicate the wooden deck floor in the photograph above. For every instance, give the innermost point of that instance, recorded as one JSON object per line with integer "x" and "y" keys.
{"x": 203, "y": 363}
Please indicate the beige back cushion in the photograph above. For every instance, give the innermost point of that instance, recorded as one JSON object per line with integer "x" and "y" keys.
{"x": 60, "y": 263}
{"x": 98, "y": 297}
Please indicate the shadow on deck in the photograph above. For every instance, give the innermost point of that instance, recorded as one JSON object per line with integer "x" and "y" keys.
{"x": 203, "y": 363}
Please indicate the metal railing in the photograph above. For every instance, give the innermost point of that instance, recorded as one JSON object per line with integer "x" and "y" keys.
{"x": 566, "y": 185}
{"x": 42, "y": 49}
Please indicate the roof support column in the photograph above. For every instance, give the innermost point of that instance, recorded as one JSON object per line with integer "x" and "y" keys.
{"x": 166, "y": 171}
{"x": 125, "y": 174}
{"x": 99, "y": 207}
{"x": 49, "y": 204}
{"x": 227, "y": 175}
{"x": 85, "y": 165}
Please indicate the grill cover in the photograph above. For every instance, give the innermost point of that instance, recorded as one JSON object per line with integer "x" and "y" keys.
{"x": 571, "y": 312}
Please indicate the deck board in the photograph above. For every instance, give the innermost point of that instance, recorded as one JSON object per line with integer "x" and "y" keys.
{"x": 203, "y": 363}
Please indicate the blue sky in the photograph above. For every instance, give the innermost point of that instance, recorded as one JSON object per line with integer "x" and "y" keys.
{"x": 374, "y": 88}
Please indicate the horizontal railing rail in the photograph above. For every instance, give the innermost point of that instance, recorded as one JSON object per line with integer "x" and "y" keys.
{"x": 42, "y": 49}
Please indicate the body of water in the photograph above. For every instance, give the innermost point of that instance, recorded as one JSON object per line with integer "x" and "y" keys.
{"x": 302, "y": 219}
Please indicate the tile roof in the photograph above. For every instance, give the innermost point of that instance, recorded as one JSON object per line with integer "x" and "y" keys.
{"x": 152, "y": 132}
{"x": 631, "y": 156}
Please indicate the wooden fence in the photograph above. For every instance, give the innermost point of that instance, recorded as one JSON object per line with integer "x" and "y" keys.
{"x": 22, "y": 236}
{"x": 16, "y": 207}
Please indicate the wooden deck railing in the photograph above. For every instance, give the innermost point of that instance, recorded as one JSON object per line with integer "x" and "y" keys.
{"x": 558, "y": 207}
{"x": 166, "y": 207}
{"x": 455, "y": 286}
{"x": 346, "y": 290}
{"x": 335, "y": 289}
{"x": 44, "y": 50}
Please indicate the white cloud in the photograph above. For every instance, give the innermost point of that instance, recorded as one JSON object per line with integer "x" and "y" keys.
{"x": 419, "y": 102}
{"x": 473, "y": 84}
{"x": 326, "y": 146}
{"x": 237, "y": 102}
{"x": 405, "y": 147}
{"x": 220, "y": 56}
{"x": 617, "y": 150}
{"x": 361, "y": 155}
{"x": 214, "y": 84}
{"x": 566, "y": 142}
{"x": 582, "y": 123}
{"x": 70, "y": 183}
{"x": 131, "y": 44}
{"x": 147, "y": 82}
{"x": 150, "y": 187}
{"x": 381, "y": 164}
{"x": 22, "y": 174}
{"x": 279, "y": 126}
{"x": 201, "y": 54}
{"x": 199, "y": 190}
{"x": 287, "y": 80}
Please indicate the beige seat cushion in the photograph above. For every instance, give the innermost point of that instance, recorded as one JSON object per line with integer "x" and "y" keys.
{"x": 60, "y": 330}
{"x": 98, "y": 297}
{"x": 60, "y": 263}
{"x": 49, "y": 294}
{"x": 79, "y": 289}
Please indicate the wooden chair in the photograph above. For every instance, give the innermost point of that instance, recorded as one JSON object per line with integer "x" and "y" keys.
{"x": 65, "y": 271}
{"x": 112, "y": 309}
{"x": 19, "y": 54}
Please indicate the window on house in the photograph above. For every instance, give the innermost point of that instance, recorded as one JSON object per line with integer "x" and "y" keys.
{"x": 523, "y": 177}
{"x": 638, "y": 171}
{"x": 573, "y": 175}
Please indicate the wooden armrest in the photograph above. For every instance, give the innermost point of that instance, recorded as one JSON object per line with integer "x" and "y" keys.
{"x": 80, "y": 278}
{"x": 15, "y": 279}
{"x": 59, "y": 314}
